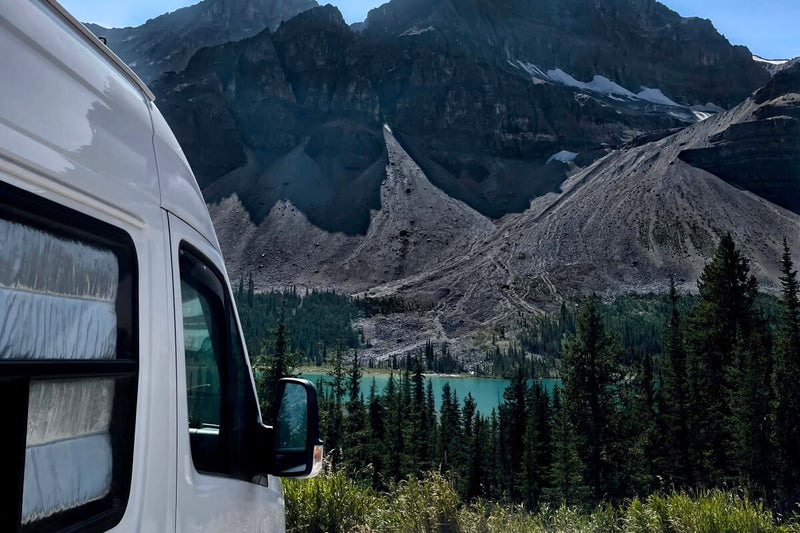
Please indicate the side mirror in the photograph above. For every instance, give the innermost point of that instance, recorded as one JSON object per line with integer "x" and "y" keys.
{"x": 297, "y": 448}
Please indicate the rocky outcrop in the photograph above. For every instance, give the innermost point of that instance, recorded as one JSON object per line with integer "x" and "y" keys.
{"x": 636, "y": 43}
{"x": 167, "y": 42}
{"x": 481, "y": 128}
{"x": 761, "y": 155}
{"x": 628, "y": 222}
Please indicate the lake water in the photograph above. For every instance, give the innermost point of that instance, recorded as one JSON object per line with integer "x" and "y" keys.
{"x": 488, "y": 393}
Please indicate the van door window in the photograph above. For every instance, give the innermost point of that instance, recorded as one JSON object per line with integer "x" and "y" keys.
{"x": 68, "y": 366}
{"x": 220, "y": 400}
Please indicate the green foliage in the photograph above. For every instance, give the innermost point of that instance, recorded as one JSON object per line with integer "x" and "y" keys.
{"x": 318, "y": 321}
{"x": 334, "y": 503}
{"x": 715, "y": 404}
{"x": 329, "y": 503}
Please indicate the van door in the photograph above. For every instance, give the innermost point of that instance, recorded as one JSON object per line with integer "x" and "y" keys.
{"x": 216, "y": 402}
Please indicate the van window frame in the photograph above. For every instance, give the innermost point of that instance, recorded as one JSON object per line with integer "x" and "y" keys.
{"x": 242, "y": 459}
{"x": 20, "y": 206}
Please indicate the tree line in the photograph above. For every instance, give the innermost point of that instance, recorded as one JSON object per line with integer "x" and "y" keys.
{"x": 718, "y": 406}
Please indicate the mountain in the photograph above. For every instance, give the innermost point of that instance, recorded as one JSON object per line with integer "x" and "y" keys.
{"x": 636, "y": 43}
{"x": 487, "y": 159}
{"x": 167, "y": 42}
{"x": 774, "y": 65}
{"x": 481, "y": 126}
{"x": 634, "y": 218}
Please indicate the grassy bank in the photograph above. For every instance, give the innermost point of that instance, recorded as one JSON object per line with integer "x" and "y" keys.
{"x": 334, "y": 503}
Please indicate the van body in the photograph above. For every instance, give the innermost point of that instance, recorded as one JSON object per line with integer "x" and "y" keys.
{"x": 128, "y": 395}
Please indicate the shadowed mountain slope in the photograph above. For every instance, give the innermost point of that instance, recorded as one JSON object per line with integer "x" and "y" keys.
{"x": 167, "y": 42}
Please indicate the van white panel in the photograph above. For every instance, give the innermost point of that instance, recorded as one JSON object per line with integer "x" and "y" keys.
{"x": 212, "y": 503}
{"x": 179, "y": 191}
{"x": 66, "y": 113}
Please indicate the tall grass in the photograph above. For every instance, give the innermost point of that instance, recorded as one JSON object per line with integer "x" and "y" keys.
{"x": 333, "y": 503}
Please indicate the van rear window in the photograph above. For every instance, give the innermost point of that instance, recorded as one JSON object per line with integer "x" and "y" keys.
{"x": 68, "y": 365}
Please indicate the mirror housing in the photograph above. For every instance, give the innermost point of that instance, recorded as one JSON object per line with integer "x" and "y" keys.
{"x": 296, "y": 448}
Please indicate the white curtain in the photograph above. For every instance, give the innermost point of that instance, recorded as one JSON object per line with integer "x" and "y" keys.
{"x": 57, "y": 301}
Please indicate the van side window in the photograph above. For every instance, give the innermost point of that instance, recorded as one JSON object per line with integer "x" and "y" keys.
{"x": 220, "y": 399}
{"x": 68, "y": 366}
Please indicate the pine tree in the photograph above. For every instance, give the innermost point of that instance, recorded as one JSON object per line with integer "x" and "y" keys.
{"x": 478, "y": 459}
{"x": 420, "y": 440}
{"x": 566, "y": 470}
{"x": 674, "y": 395}
{"x": 538, "y": 446}
{"x": 721, "y": 319}
{"x": 750, "y": 397}
{"x": 513, "y": 417}
{"x": 279, "y": 364}
{"x": 334, "y": 417}
{"x": 637, "y": 448}
{"x": 451, "y": 430}
{"x": 591, "y": 364}
{"x": 393, "y": 430}
{"x": 354, "y": 380}
{"x": 378, "y": 454}
{"x": 786, "y": 377}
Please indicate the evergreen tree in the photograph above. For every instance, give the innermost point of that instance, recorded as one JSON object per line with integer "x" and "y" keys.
{"x": 334, "y": 418}
{"x": 722, "y": 318}
{"x": 674, "y": 396}
{"x": 354, "y": 380}
{"x": 538, "y": 446}
{"x": 513, "y": 417}
{"x": 566, "y": 470}
{"x": 279, "y": 364}
{"x": 420, "y": 440}
{"x": 591, "y": 361}
{"x": 378, "y": 454}
{"x": 478, "y": 459}
{"x": 451, "y": 430}
{"x": 393, "y": 430}
{"x": 786, "y": 377}
{"x": 750, "y": 397}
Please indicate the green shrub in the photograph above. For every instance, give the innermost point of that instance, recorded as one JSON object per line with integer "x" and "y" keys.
{"x": 328, "y": 503}
{"x": 427, "y": 505}
{"x": 334, "y": 503}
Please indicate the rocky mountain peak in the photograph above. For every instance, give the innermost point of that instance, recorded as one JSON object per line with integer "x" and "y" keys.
{"x": 167, "y": 42}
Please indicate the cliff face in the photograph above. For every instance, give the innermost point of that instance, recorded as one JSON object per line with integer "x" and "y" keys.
{"x": 487, "y": 159}
{"x": 633, "y": 42}
{"x": 167, "y": 42}
{"x": 635, "y": 218}
{"x": 481, "y": 126}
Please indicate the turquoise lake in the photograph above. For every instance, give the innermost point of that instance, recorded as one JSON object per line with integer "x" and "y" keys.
{"x": 488, "y": 393}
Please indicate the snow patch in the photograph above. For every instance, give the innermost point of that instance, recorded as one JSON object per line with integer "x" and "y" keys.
{"x": 564, "y": 156}
{"x": 615, "y": 91}
{"x": 709, "y": 107}
{"x": 537, "y": 75}
{"x": 655, "y": 96}
{"x": 599, "y": 84}
{"x": 770, "y": 61}
{"x": 701, "y": 115}
{"x": 414, "y": 30}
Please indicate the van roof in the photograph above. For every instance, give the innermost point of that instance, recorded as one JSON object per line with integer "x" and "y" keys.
{"x": 92, "y": 38}
{"x": 73, "y": 113}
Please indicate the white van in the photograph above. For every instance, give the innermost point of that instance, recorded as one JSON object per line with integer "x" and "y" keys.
{"x": 127, "y": 395}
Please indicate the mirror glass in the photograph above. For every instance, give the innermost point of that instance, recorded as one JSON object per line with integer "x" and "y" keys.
{"x": 292, "y": 426}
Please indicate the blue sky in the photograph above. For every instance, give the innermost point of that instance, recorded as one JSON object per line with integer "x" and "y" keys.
{"x": 768, "y": 27}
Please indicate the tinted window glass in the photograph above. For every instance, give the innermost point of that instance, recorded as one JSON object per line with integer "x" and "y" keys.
{"x": 221, "y": 405}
